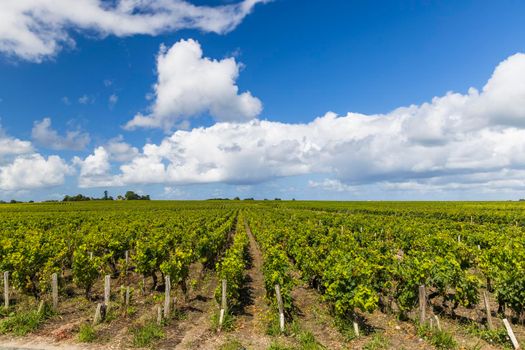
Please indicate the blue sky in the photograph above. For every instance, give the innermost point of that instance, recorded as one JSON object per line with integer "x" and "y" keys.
{"x": 297, "y": 60}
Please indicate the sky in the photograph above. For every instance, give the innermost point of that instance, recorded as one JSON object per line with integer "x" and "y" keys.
{"x": 336, "y": 100}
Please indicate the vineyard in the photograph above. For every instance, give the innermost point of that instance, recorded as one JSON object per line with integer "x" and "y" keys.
{"x": 262, "y": 275}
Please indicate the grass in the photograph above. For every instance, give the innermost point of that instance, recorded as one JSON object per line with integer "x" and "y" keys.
{"x": 440, "y": 339}
{"x": 232, "y": 345}
{"x": 278, "y": 346}
{"x": 21, "y": 323}
{"x": 378, "y": 342}
{"x": 86, "y": 333}
{"x": 346, "y": 328}
{"x": 227, "y": 325}
{"x": 147, "y": 334}
{"x": 496, "y": 336}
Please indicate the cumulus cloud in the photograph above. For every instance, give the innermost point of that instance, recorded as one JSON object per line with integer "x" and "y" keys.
{"x": 119, "y": 150}
{"x": 190, "y": 85}
{"x": 457, "y": 141}
{"x": 22, "y": 168}
{"x": 10, "y": 146}
{"x": 46, "y": 136}
{"x": 37, "y": 29}
{"x": 33, "y": 171}
{"x": 95, "y": 169}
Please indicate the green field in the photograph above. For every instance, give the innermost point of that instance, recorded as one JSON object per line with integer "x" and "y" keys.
{"x": 359, "y": 258}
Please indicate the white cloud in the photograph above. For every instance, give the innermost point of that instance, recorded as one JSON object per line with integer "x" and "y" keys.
{"x": 46, "y": 136}
{"x": 95, "y": 169}
{"x": 113, "y": 99}
{"x": 331, "y": 185}
{"x": 119, "y": 150}
{"x": 189, "y": 85}
{"x": 37, "y": 29}
{"x": 66, "y": 101}
{"x": 85, "y": 99}
{"x": 454, "y": 142}
{"x": 33, "y": 171}
{"x": 10, "y": 146}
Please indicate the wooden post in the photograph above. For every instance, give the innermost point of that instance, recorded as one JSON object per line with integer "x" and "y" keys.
{"x": 100, "y": 314}
{"x": 126, "y": 300}
{"x": 422, "y": 304}
{"x": 224, "y": 302}
{"x": 167, "y": 296}
{"x": 40, "y": 307}
{"x": 438, "y": 324}
{"x": 459, "y": 238}
{"x": 107, "y": 290}
{"x": 159, "y": 315}
{"x": 6, "y": 289}
{"x": 356, "y": 328}
{"x": 280, "y": 305}
{"x": 126, "y": 257}
{"x": 487, "y": 310}
{"x": 54, "y": 290}
{"x": 512, "y": 337}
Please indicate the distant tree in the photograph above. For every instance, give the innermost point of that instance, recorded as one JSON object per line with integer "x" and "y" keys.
{"x": 249, "y": 199}
{"x": 277, "y": 199}
{"x": 132, "y": 196}
{"x": 236, "y": 199}
{"x": 77, "y": 198}
{"x": 106, "y": 195}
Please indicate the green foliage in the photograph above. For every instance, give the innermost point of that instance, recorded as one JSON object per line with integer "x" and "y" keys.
{"x": 86, "y": 269}
{"x": 232, "y": 267}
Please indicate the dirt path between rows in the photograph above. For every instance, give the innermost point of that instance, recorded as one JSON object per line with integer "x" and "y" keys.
{"x": 250, "y": 321}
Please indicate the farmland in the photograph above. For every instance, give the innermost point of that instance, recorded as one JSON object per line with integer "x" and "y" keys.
{"x": 370, "y": 275}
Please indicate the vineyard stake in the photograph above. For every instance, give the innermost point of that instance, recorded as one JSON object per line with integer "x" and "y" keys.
{"x": 6, "y": 289}
{"x": 280, "y": 305}
{"x": 127, "y": 296}
{"x": 100, "y": 314}
{"x": 422, "y": 304}
{"x": 54, "y": 290}
{"x": 40, "y": 307}
{"x": 512, "y": 337}
{"x": 487, "y": 310}
{"x": 356, "y": 328}
{"x": 159, "y": 315}
{"x": 167, "y": 296}
{"x": 107, "y": 290}
{"x": 224, "y": 304}
{"x": 438, "y": 324}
